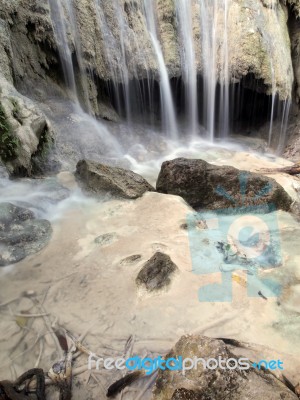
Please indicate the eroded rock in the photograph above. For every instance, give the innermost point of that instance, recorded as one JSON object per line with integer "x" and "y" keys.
{"x": 21, "y": 234}
{"x": 157, "y": 272}
{"x": 100, "y": 178}
{"x": 207, "y": 186}
{"x": 216, "y": 384}
{"x": 25, "y": 131}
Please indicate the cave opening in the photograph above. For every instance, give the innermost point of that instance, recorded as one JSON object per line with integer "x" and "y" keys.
{"x": 249, "y": 107}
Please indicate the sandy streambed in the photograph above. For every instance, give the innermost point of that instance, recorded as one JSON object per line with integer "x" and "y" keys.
{"x": 85, "y": 279}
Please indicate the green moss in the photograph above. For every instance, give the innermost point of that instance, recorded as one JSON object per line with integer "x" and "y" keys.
{"x": 16, "y": 110}
{"x": 8, "y": 142}
{"x": 45, "y": 144}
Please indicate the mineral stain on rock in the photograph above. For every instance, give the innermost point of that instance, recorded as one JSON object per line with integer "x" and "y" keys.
{"x": 156, "y": 274}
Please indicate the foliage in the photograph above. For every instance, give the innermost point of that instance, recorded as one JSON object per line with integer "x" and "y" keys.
{"x": 16, "y": 112}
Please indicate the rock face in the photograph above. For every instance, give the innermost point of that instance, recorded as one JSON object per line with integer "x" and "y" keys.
{"x": 25, "y": 132}
{"x": 206, "y": 186}
{"x": 257, "y": 37}
{"x": 157, "y": 272}
{"x": 100, "y": 178}
{"x": 215, "y": 384}
{"x": 21, "y": 234}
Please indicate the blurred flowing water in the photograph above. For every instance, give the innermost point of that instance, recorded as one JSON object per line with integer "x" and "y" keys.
{"x": 133, "y": 143}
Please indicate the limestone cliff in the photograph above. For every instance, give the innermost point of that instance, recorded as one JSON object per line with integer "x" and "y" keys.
{"x": 110, "y": 41}
{"x": 113, "y": 42}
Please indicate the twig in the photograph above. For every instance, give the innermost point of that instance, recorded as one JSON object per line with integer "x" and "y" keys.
{"x": 49, "y": 326}
{"x": 40, "y": 354}
{"x": 148, "y": 385}
{"x": 31, "y": 315}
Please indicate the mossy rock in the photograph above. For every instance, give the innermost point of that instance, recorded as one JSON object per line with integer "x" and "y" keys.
{"x": 8, "y": 142}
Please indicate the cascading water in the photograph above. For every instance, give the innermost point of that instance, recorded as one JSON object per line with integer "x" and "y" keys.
{"x": 184, "y": 17}
{"x": 135, "y": 97}
{"x": 64, "y": 24}
{"x": 115, "y": 54}
{"x": 212, "y": 38}
{"x": 168, "y": 111}
{"x": 57, "y": 9}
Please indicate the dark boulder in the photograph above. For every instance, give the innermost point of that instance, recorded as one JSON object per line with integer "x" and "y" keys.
{"x": 207, "y": 186}
{"x": 157, "y": 272}
{"x": 100, "y": 178}
{"x": 21, "y": 234}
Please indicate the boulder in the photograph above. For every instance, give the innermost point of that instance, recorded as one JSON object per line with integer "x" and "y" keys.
{"x": 157, "y": 272}
{"x": 207, "y": 186}
{"x": 25, "y": 132}
{"x": 219, "y": 383}
{"x": 100, "y": 178}
{"x": 21, "y": 234}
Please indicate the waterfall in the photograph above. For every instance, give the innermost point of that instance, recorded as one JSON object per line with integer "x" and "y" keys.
{"x": 167, "y": 104}
{"x": 184, "y": 17}
{"x": 211, "y": 39}
{"x": 115, "y": 54}
{"x": 58, "y": 17}
{"x": 138, "y": 76}
{"x": 64, "y": 24}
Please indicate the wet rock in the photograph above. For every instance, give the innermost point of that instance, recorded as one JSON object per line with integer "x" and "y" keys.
{"x": 106, "y": 239}
{"x": 131, "y": 259}
{"x": 295, "y": 210}
{"x": 157, "y": 272}
{"x": 216, "y": 384}
{"x": 100, "y": 178}
{"x": 208, "y": 186}
{"x": 21, "y": 234}
{"x": 27, "y": 131}
{"x": 292, "y": 150}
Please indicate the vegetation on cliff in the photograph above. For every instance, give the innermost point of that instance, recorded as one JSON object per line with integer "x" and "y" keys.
{"x": 8, "y": 142}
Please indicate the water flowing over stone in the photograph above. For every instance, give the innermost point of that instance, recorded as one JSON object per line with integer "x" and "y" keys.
{"x": 177, "y": 61}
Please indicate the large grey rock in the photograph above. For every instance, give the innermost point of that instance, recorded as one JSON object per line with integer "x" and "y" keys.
{"x": 157, "y": 272}
{"x": 21, "y": 234}
{"x": 206, "y": 186}
{"x": 100, "y": 178}
{"x": 29, "y": 131}
{"x": 215, "y": 384}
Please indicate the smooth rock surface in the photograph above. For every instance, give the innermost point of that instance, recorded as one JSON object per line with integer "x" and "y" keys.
{"x": 100, "y": 178}
{"x": 208, "y": 186}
